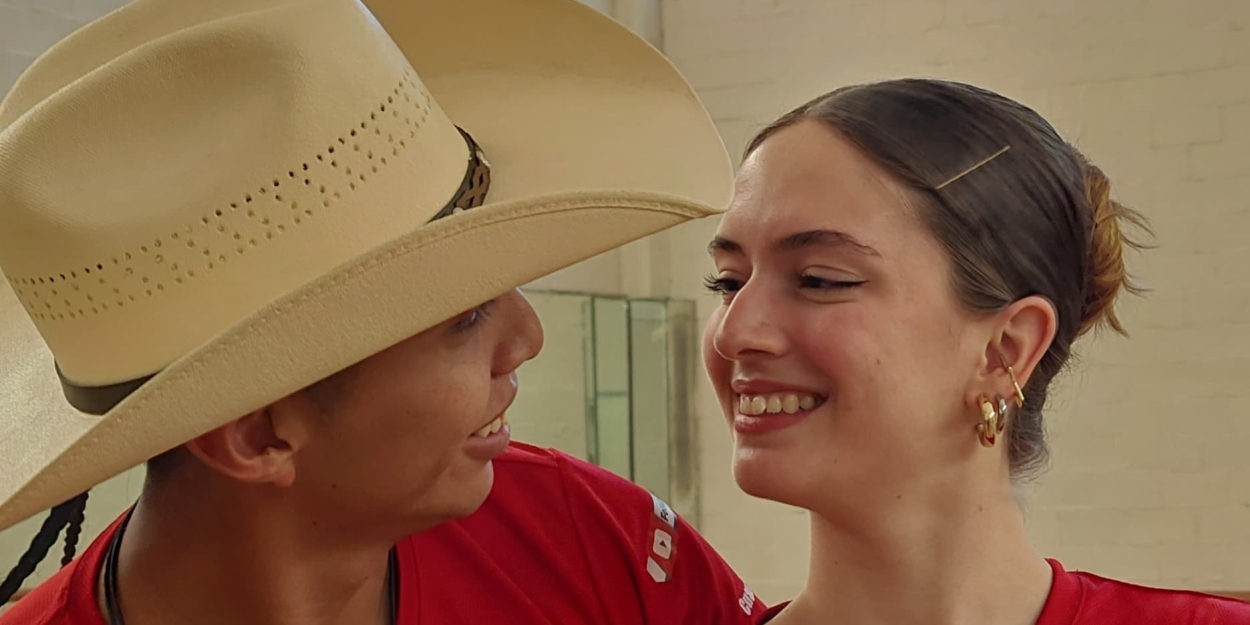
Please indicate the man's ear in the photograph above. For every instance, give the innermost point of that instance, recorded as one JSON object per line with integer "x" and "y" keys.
{"x": 259, "y": 448}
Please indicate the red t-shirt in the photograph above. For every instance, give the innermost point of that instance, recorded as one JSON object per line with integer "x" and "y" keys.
{"x": 558, "y": 542}
{"x": 1078, "y": 598}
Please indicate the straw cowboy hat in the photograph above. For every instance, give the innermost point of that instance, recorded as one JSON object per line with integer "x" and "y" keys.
{"x": 206, "y": 205}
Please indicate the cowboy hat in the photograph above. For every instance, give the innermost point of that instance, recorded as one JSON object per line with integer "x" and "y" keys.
{"x": 208, "y": 205}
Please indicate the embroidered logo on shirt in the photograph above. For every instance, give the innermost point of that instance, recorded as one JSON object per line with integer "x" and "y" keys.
{"x": 662, "y": 533}
{"x": 663, "y": 511}
{"x": 747, "y": 602}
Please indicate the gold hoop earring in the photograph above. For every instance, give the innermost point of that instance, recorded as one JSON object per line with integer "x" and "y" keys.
{"x": 990, "y": 425}
{"x": 1016, "y": 383}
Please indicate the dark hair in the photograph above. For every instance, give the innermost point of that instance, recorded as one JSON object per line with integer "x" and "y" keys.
{"x": 1035, "y": 219}
{"x": 68, "y": 515}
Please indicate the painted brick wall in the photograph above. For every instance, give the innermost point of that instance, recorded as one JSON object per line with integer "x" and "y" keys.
{"x": 1151, "y": 471}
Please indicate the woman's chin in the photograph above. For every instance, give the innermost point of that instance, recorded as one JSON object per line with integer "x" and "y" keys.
{"x": 767, "y": 474}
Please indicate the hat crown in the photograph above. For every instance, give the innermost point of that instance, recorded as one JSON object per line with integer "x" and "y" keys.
{"x": 178, "y": 165}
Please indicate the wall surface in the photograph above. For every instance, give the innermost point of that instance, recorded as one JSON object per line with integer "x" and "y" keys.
{"x": 1151, "y": 474}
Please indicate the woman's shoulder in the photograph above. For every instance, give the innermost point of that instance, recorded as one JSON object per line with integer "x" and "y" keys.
{"x": 1091, "y": 598}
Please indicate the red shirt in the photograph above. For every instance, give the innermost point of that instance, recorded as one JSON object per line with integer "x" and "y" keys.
{"x": 558, "y": 542}
{"x": 1078, "y": 598}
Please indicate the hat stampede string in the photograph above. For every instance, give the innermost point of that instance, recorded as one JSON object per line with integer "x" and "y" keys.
{"x": 68, "y": 516}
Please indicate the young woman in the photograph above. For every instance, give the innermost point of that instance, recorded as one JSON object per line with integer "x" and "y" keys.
{"x": 904, "y": 268}
{"x": 272, "y": 248}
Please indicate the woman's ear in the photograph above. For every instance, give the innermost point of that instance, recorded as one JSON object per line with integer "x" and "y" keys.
{"x": 1024, "y": 332}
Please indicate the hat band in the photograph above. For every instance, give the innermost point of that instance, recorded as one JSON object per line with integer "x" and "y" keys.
{"x": 98, "y": 400}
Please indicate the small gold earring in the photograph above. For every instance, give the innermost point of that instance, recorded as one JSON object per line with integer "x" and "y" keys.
{"x": 989, "y": 427}
{"x": 1016, "y": 383}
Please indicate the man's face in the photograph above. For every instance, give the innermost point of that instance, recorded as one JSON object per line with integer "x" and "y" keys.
{"x": 397, "y": 446}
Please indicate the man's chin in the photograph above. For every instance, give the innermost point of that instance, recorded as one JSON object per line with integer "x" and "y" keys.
{"x": 472, "y": 492}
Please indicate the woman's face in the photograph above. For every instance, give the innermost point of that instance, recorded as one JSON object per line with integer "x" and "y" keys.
{"x": 841, "y": 358}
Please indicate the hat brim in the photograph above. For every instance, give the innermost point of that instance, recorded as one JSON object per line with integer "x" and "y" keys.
{"x": 569, "y": 130}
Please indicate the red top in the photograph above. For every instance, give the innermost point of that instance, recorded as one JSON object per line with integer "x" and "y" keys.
{"x": 1078, "y": 598}
{"x": 558, "y": 542}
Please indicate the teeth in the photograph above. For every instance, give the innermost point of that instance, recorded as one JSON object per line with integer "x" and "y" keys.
{"x": 492, "y": 427}
{"x": 789, "y": 403}
{"x": 758, "y": 404}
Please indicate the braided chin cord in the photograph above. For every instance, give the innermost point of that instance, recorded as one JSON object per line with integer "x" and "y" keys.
{"x": 68, "y": 515}
{"x": 74, "y": 528}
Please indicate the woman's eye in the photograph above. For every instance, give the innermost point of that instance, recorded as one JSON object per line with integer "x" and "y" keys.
{"x": 721, "y": 286}
{"x": 808, "y": 281}
{"x": 726, "y": 287}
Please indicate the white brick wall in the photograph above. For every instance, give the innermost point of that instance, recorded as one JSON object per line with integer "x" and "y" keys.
{"x": 1151, "y": 477}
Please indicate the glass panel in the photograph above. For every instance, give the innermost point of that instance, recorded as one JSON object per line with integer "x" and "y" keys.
{"x": 650, "y": 395}
{"x": 613, "y": 386}
{"x": 612, "y": 383}
{"x": 684, "y": 369}
{"x": 551, "y": 407}
{"x": 588, "y": 382}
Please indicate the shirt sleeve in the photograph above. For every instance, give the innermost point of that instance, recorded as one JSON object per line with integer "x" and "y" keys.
{"x": 648, "y": 565}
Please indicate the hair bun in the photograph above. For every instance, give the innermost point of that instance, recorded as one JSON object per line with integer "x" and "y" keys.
{"x": 1107, "y": 273}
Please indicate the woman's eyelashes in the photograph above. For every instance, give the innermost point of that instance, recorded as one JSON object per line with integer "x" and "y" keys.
{"x": 725, "y": 286}
{"x": 721, "y": 286}
{"x": 808, "y": 281}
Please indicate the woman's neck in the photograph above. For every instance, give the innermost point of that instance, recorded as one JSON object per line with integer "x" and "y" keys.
{"x": 207, "y": 561}
{"x": 953, "y": 557}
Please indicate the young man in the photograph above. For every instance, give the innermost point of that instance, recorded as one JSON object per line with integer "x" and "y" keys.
{"x": 242, "y": 237}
